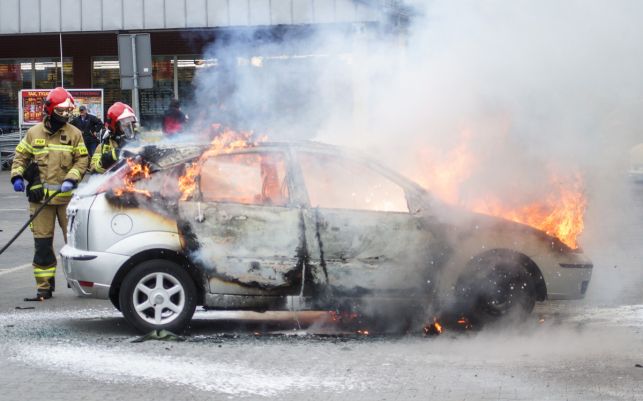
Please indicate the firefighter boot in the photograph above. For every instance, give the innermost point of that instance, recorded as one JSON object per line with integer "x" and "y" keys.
{"x": 41, "y": 295}
{"x": 44, "y": 268}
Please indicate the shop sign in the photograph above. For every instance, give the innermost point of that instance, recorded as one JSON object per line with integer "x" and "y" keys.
{"x": 32, "y": 103}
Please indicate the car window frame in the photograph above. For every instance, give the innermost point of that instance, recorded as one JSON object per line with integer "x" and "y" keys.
{"x": 287, "y": 178}
{"x": 383, "y": 172}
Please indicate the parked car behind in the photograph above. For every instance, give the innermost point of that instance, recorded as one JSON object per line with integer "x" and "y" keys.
{"x": 277, "y": 224}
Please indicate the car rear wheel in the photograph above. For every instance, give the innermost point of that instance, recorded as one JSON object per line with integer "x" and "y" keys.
{"x": 496, "y": 290}
{"x": 158, "y": 294}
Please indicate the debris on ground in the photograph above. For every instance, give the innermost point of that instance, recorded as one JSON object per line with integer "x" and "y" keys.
{"x": 161, "y": 335}
{"x": 34, "y": 299}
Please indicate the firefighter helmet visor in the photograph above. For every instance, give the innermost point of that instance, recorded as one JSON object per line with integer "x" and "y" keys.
{"x": 63, "y": 112}
{"x": 127, "y": 126}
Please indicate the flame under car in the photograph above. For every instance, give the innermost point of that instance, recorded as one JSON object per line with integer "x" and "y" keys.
{"x": 273, "y": 225}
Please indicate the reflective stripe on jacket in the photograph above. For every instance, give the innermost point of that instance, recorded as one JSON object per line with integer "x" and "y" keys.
{"x": 110, "y": 146}
{"x": 60, "y": 156}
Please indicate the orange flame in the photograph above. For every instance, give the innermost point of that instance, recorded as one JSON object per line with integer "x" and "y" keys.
{"x": 444, "y": 172}
{"x": 187, "y": 180}
{"x": 560, "y": 213}
{"x": 464, "y": 322}
{"x": 433, "y": 328}
{"x": 225, "y": 142}
{"x": 136, "y": 171}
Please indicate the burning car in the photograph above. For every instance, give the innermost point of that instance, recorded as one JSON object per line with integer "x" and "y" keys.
{"x": 276, "y": 226}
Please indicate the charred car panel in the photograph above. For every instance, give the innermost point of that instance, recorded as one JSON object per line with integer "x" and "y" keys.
{"x": 373, "y": 252}
{"x": 254, "y": 246}
{"x": 109, "y": 225}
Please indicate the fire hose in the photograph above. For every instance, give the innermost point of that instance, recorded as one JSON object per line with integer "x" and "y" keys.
{"x": 33, "y": 216}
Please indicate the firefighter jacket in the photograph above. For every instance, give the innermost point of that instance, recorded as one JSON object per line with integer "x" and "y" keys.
{"x": 60, "y": 156}
{"x": 105, "y": 151}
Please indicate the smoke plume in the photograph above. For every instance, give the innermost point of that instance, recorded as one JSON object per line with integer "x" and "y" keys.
{"x": 508, "y": 101}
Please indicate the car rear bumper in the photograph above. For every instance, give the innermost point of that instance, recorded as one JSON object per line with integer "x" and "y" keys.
{"x": 90, "y": 274}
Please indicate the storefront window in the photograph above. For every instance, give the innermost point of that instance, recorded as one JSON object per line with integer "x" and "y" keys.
{"x": 48, "y": 73}
{"x": 106, "y": 75}
{"x": 26, "y": 75}
{"x": 14, "y": 75}
{"x": 154, "y": 101}
{"x": 187, "y": 68}
{"x": 17, "y": 74}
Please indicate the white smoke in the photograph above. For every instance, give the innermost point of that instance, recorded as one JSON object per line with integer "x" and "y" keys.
{"x": 525, "y": 88}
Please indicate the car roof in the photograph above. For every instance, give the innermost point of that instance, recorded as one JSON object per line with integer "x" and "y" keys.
{"x": 167, "y": 154}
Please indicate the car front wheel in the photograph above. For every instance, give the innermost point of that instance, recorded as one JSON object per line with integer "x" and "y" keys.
{"x": 158, "y": 294}
{"x": 497, "y": 290}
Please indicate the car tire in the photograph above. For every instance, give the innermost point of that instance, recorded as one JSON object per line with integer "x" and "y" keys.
{"x": 496, "y": 290}
{"x": 158, "y": 294}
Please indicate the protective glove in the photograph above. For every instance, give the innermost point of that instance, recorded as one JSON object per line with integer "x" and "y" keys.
{"x": 18, "y": 185}
{"x": 66, "y": 186}
{"x": 35, "y": 193}
{"x": 106, "y": 160}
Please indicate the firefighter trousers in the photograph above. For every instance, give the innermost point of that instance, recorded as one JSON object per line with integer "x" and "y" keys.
{"x": 44, "y": 259}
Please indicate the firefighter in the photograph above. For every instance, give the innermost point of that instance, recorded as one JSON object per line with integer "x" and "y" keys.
{"x": 121, "y": 128}
{"x": 53, "y": 158}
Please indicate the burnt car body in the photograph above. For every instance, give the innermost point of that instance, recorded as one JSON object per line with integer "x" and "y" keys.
{"x": 301, "y": 225}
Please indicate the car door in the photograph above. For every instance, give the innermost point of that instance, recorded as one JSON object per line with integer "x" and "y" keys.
{"x": 240, "y": 227}
{"x": 367, "y": 240}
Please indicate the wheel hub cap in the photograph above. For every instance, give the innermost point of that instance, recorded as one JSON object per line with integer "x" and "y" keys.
{"x": 159, "y": 299}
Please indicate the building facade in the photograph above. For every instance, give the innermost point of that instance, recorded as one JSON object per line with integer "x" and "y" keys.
{"x": 35, "y": 35}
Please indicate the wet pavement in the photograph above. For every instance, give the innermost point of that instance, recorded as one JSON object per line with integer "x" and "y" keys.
{"x": 70, "y": 348}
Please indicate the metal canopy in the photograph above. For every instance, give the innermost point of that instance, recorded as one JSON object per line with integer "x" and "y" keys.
{"x": 42, "y": 16}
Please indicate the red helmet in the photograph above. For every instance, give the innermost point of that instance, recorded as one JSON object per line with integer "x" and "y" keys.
{"x": 119, "y": 112}
{"x": 59, "y": 101}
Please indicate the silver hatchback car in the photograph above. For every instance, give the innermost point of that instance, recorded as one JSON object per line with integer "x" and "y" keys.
{"x": 280, "y": 225}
